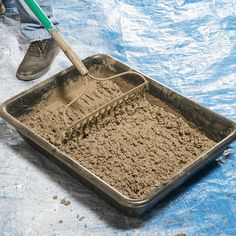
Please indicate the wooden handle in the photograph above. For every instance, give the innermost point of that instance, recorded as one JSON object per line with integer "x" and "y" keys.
{"x": 69, "y": 53}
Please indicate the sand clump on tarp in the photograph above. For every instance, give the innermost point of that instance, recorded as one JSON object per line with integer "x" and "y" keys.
{"x": 135, "y": 148}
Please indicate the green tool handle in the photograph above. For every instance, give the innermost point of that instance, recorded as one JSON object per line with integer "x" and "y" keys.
{"x": 56, "y": 36}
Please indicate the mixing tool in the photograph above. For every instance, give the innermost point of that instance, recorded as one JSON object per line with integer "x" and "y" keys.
{"x": 84, "y": 72}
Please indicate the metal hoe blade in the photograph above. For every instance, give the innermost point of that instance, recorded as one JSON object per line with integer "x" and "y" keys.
{"x": 109, "y": 106}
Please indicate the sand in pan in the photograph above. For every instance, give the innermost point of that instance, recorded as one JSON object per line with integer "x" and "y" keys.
{"x": 135, "y": 148}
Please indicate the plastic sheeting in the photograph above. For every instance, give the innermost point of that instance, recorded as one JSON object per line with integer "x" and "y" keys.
{"x": 188, "y": 45}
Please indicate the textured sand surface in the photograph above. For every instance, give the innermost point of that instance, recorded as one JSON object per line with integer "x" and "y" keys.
{"x": 135, "y": 148}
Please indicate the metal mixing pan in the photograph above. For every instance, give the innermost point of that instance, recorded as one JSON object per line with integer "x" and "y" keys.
{"x": 213, "y": 125}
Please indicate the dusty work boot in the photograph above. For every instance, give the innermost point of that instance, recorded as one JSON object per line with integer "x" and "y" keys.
{"x": 2, "y": 9}
{"x": 38, "y": 59}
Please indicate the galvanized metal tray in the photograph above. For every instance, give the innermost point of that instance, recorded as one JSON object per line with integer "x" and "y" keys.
{"x": 212, "y": 124}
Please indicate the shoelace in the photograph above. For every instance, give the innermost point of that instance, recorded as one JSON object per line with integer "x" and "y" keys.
{"x": 37, "y": 48}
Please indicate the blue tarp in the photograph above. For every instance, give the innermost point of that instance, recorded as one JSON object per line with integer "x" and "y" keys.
{"x": 188, "y": 45}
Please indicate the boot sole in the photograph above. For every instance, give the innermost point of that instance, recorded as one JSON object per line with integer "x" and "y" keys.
{"x": 33, "y": 77}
